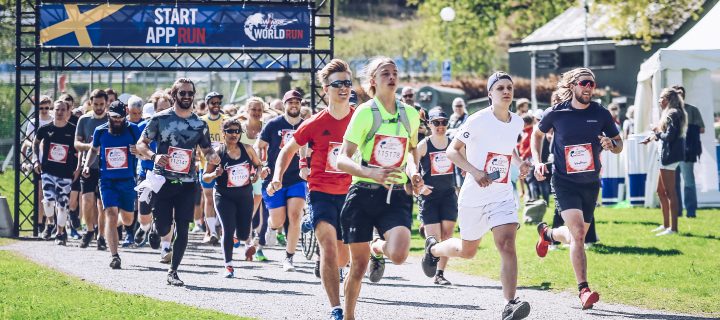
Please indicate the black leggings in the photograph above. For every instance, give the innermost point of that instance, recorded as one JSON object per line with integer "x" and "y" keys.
{"x": 172, "y": 203}
{"x": 256, "y": 222}
{"x": 234, "y": 208}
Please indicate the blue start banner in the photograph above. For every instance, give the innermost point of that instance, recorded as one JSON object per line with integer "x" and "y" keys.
{"x": 208, "y": 26}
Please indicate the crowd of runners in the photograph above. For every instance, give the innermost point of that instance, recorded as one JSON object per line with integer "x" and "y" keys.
{"x": 150, "y": 173}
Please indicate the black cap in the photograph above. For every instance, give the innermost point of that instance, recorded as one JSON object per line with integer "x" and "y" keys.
{"x": 213, "y": 95}
{"x": 117, "y": 109}
{"x": 353, "y": 97}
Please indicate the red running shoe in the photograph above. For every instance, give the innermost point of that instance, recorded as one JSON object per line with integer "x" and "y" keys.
{"x": 588, "y": 298}
{"x": 249, "y": 252}
{"x": 541, "y": 248}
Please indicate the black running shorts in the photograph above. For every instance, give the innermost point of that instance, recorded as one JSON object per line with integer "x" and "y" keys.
{"x": 440, "y": 207}
{"x": 365, "y": 208}
{"x": 571, "y": 195}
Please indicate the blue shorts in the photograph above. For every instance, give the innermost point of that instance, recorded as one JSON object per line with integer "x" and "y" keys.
{"x": 279, "y": 199}
{"x": 203, "y": 184}
{"x": 118, "y": 193}
{"x": 326, "y": 207}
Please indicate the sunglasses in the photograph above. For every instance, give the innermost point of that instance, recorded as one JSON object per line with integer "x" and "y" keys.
{"x": 340, "y": 83}
{"x": 186, "y": 93}
{"x": 439, "y": 123}
{"x": 408, "y": 95}
{"x": 216, "y": 103}
{"x": 45, "y": 108}
{"x": 233, "y": 131}
{"x": 587, "y": 83}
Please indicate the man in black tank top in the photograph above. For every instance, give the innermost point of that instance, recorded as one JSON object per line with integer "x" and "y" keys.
{"x": 438, "y": 205}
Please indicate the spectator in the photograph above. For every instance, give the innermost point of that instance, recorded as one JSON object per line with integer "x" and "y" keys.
{"x": 628, "y": 126}
{"x": 522, "y": 106}
{"x": 458, "y": 117}
{"x": 614, "y": 109}
{"x": 408, "y": 97}
{"x": 693, "y": 149}
{"x": 112, "y": 95}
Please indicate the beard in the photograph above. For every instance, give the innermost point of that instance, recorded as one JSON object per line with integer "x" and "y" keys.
{"x": 99, "y": 112}
{"x": 183, "y": 104}
{"x": 581, "y": 99}
{"x": 214, "y": 111}
{"x": 117, "y": 128}
{"x": 293, "y": 114}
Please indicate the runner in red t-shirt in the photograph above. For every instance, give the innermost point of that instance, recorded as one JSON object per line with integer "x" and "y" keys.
{"x": 328, "y": 185}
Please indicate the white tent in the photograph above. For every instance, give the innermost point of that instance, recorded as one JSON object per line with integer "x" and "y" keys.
{"x": 694, "y": 62}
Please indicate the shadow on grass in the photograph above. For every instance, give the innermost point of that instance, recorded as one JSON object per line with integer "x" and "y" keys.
{"x": 706, "y": 236}
{"x": 419, "y": 304}
{"x": 642, "y": 223}
{"x": 628, "y": 315}
{"x": 653, "y": 251}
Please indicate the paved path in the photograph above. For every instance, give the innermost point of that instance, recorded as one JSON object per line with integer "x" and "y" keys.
{"x": 264, "y": 291}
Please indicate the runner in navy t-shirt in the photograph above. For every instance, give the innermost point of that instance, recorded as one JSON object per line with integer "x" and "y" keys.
{"x": 115, "y": 144}
{"x": 582, "y": 129}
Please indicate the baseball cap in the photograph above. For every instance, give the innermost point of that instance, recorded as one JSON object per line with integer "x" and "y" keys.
{"x": 522, "y": 101}
{"x": 353, "y": 98}
{"x": 292, "y": 94}
{"x": 213, "y": 95}
{"x": 495, "y": 77}
{"x": 117, "y": 109}
{"x": 148, "y": 110}
{"x": 437, "y": 113}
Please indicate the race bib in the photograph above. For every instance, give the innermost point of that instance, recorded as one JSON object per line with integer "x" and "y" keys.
{"x": 332, "y": 157}
{"x": 116, "y": 158}
{"x": 388, "y": 151}
{"x": 500, "y": 163}
{"x": 238, "y": 175}
{"x": 579, "y": 158}
{"x": 440, "y": 164}
{"x": 285, "y": 136}
{"x": 58, "y": 152}
{"x": 179, "y": 160}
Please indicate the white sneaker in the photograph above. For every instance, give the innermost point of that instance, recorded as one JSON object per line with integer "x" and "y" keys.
{"x": 288, "y": 265}
{"x": 667, "y": 231}
{"x": 197, "y": 229}
{"x": 166, "y": 255}
{"x": 658, "y": 229}
{"x": 271, "y": 237}
{"x": 552, "y": 247}
{"x": 588, "y": 245}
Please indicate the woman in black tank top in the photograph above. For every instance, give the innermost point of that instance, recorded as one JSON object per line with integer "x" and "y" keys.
{"x": 238, "y": 169}
{"x": 438, "y": 206}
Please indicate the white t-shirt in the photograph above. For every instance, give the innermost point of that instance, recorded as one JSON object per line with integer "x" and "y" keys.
{"x": 489, "y": 143}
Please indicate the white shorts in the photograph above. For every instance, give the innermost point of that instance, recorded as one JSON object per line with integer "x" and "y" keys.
{"x": 477, "y": 221}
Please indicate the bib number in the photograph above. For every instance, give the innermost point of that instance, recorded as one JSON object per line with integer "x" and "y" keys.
{"x": 179, "y": 160}
{"x": 238, "y": 175}
{"x": 58, "y": 152}
{"x": 285, "y": 136}
{"x": 495, "y": 162}
{"x": 440, "y": 164}
{"x": 388, "y": 151}
{"x": 332, "y": 157}
{"x": 116, "y": 158}
{"x": 579, "y": 158}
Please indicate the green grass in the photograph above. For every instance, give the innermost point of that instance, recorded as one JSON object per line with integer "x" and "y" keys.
{"x": 630, "y": 265}
{"x": 29, "y": 291}
{"x": 6, "y": 241}
{"x": 7, "y": 189}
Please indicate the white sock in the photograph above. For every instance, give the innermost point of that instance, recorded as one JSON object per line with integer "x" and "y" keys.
{"x": 145, "y": 227}
{"x": 61, "y": 217}
{"x": 211, "y": 224}
{"x": 228, "y": 264}
{"x": 165, "y": 245}
{"x": 198, "y": 222}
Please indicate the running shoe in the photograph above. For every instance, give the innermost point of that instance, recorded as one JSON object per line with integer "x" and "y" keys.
{"x": 429, "y": 262}
{"x": 317, "y": 269}
{"x": 129, "y": 240}
{"x": 236, "y": 243}
{"x": 541, "y": 247}
{"x": 199, "y": 228}
{"x": 336, "y": 314}
{"x": 588, "y": 298}
{"x": 376, "y": 269}
{"x": 101, "y": 244}
{"x": 74, "y": 234}
{"x": 154, "y": 239}
{"x": 288, "y": 264}
{"x": 249, "y": 252}
{"x": 440, "y": 280}
{"x": 658, "y": 229}
{"x": 516, "y": 309}
{"x": 174, "y": 280}
{"x": 140, "y": 239}
{"x": 281, "y": 239}
{"x": 271, "y": 237}
{"x": 166, "y": 255}
{"x": 115, "y": 263}
{"x": 47, "y": 233}
{"x": 229, "y": 272}
{"x": 61, "y": 239}
{"x": 667, "y": 231}
{"x": 214, "y": 239}
{"x": 86, "y": 239}
{"x": 260, "y": 256}
{"x": 306, "y": 225}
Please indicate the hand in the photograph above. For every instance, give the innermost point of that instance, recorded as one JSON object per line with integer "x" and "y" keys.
{"x": 606, "y": 142}
{"x": 525, "y": 169}
{"x": 417, "y": 183}
{"x": 218, "y": 171}
{"x": 214, "y": 159}
{"x": 37, "y": 168}
{"x": 384, "y": 176}
{"x": 426, "y": 190}
{"x": 482, "y": 179}
{"x": 304, "y": 173}
{"x": 540, "y": 171}
{"x": 648, "y": 139}
{"x": 254, "y": 177}
{"x": 133, "y": 150}
{"x": 161, "y": 160}
{"x": 86, "y": 172}
{"x": 264, "y": 173}
{"x": 76, "y": 174}
{"x": 273, "y": 186}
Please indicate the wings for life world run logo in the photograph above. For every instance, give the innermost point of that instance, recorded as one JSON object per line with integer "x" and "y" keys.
{"x": 261, "y": 27}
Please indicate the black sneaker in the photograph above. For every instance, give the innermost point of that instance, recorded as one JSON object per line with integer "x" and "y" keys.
{"x": 101, "y": 244}
{"x": 140, "y": 237}
{"x": 115, "y": 263}
{"x": 154, "y": 239}
{"x": 317, "y": 269}
{"x": 61, "y": 239}
{"x": 174, "y": 280}
{"x": 516, "y": 309}
{"x": 440, "y": 279}
{"x": 86, "y": 239}
{"x": 47, "y": 233}
{"x": 429, "y": 262}
{"x": 376, "y": 269}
